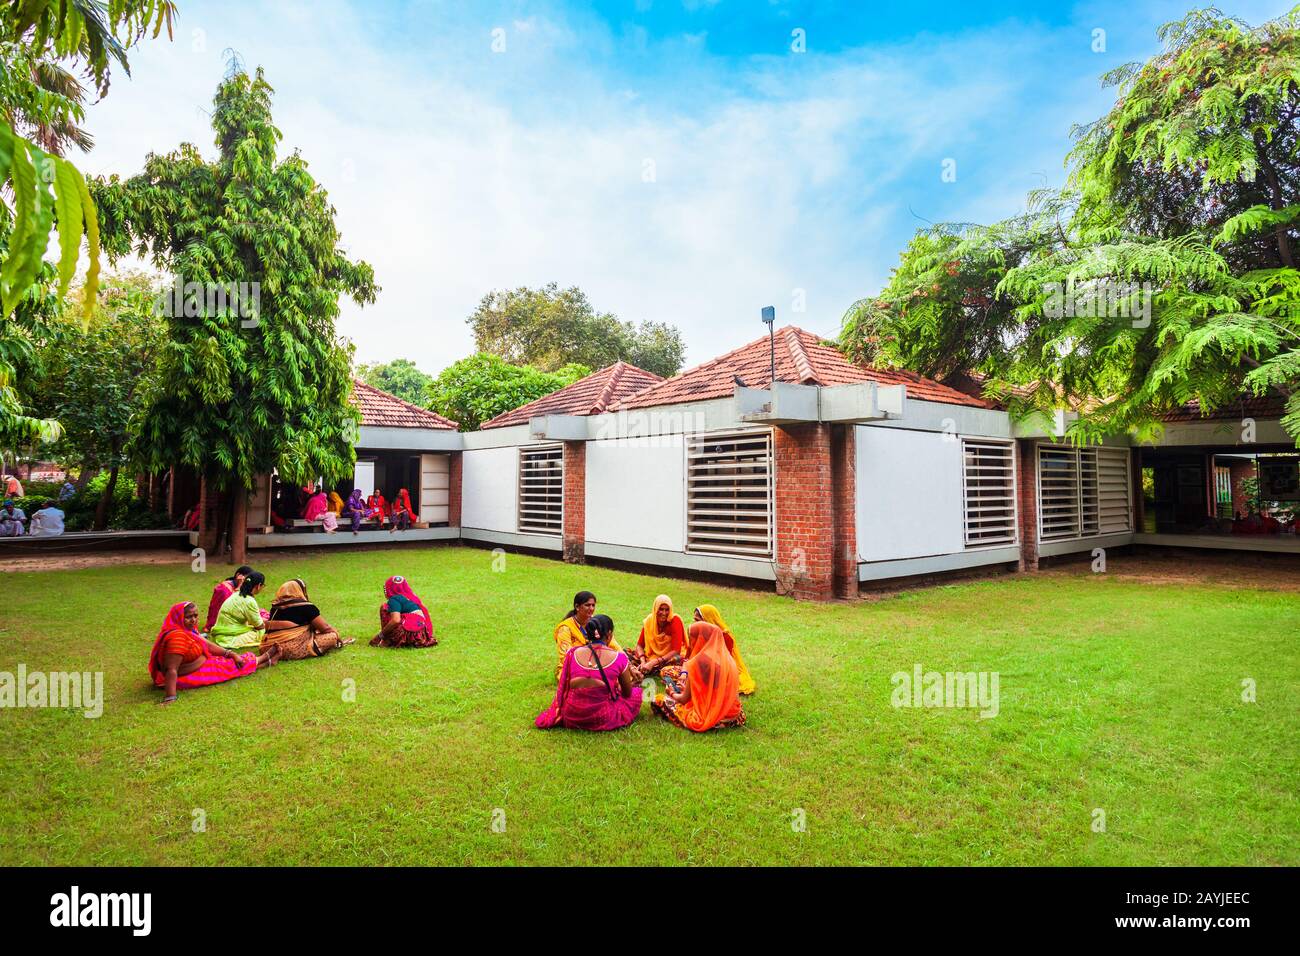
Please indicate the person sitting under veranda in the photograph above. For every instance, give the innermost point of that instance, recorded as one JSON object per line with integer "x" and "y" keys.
{"x": 240, "y": 623}
{"x": 182, "y": 657}
{"x": 297, "y": 627}
{"x": 317, "y": 505}
{"x": 595, "y": 690}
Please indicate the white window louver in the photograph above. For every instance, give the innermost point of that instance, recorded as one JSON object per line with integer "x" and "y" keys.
{"x": 541, "y": 489}
{"x": 989, "y": 492}
{"x": 729, "y": 493}
{"x": 1082, "y": 492}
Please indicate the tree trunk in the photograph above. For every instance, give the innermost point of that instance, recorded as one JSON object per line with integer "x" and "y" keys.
{"x": 88, "y": 471}
{"x": 239, "y": 527}
{"x": 101, "y": 510}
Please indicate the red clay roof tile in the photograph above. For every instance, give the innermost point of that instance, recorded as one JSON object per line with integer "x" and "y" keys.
{"x": 381, "y": 410}
{"x": 587, "y": 396}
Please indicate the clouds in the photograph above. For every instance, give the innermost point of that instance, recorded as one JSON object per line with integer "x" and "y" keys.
{"x": 668, "y": 182}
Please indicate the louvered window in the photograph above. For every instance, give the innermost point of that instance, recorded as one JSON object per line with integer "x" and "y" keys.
{"x": 729, "y": 493}
{"x": 1082, "y": 491}
{"x": 989, "y": 492}
{"x": 541, "y": 489}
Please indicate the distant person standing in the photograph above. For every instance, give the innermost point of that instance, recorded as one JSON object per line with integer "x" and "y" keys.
{"x": 69, "y": 490}
{"x": 13, "y": 487}
{"x": 12, "y": 520}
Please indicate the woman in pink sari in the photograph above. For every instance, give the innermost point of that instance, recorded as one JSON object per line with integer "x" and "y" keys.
{"x": 317, "y": 505}
{"x": 595, "y": 690}
{"x": 404, "y": 621}
{"x": 182, "y": 657}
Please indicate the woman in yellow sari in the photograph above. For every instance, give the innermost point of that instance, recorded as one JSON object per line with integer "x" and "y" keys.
{"x": 662, "y": 640}
{"x": 335, "y": 503}
{"x": 572, "y": 630}
{"x": 710, "y": 614}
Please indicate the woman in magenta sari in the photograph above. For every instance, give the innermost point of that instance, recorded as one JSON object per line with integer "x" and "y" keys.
{"x": 404, "y": 621}
{"x": 182, "y": 657}
{"x": 317, "y": 505}
{"x": 595, "y": 690}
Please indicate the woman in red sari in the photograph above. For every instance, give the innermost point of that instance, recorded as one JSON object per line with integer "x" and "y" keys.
{"x": 404, "y": 621}
{"x": 378, "y": 506}
{"x": 182, "y": 657}
{"x": 595, "y": 690}
{"x": 403, "y": 514}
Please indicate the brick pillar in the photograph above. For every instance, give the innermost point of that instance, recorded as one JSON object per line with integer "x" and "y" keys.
{"x": 454, "y": 480}
{"x": 805, "y": 513}
{"x": 575, "y": 501}
{"x": 1027, "y": 493}
{"x": 844, "y": 501}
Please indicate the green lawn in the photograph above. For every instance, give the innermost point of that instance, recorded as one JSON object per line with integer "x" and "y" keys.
{"x": 1116, "y": 693}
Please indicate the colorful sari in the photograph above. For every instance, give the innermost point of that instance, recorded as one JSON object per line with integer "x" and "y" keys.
{"x": 237, "y": 622}
{"x": 658, "y": 642}
{"x": 317, "y": 505}
{"x": 714, "y": 681}
{"x": 378, "y": 506}
{"x": 297, "y": 643}
{"x": 356, "y": 509}
{"x": 412, "y": 628}
{"x": 336, "y": 503}
{"x": 175, "y": 638}
{"x": 569, "y": 635}
{"x": 714, "y": 617}
{"x": 591, "y": 708}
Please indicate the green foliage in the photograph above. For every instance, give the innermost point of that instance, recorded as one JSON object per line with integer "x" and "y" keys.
{"x": 263, "y": 381}
{"x": 483, "y": 386}
{"x": 549, "y": 328}
{"x": 1164, "y": 271}
{"x": 399, "y": 377}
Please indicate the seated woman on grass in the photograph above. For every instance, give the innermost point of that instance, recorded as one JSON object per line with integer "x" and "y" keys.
{"x": 662, "y": 638}
{"x": 404, "y": 621}
{"x": 703, "y": 693}
{"x": 182, "y": 657}
{"x": 222, "y": 590}
{"x": 297, "y": 627}
{"x": 595, "y": 690}
{"x": 240, "y": 623}
{"x": 710, "y": 615}
{"x": 572, "y": 629}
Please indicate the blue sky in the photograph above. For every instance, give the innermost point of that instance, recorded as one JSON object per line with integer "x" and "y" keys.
{"x": 679, "y": 160}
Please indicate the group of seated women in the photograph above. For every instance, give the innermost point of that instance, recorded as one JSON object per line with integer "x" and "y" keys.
{"x": 240, "y": 636}
{"x": 598, "y": 684}
{"x": 397, "y": 515}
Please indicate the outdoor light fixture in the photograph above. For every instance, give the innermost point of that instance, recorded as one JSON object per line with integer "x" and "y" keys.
{"x": 769, "y": 319}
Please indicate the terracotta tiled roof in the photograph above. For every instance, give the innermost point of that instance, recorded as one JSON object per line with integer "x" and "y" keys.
{"x": 587, "y": 396}
{"x": 1248, "y": 406}
{"x": 381, "y": 410}
{"x": 801, "y": 358}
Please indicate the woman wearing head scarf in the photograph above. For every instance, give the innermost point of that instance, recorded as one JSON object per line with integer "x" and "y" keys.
{"x": 710, "y": 614}
{"x": 297, "y": 627}
{"x": 317, "y": 505}
{"x": 355, "y": 508}
{"x": 595, "y": 690}
{"x": 572, "y": 630}
{"x": 403, "y": 514}
{"x": 182, "y": 657}
{"x": 703, "y": 694}
{"x": 335, "y": 503}
{"x": 662, "y": 637}
{"x": 240, "y": 623}
{"x": 404, "y": 621}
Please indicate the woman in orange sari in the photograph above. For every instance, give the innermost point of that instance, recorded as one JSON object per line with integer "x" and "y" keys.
{"x": 663, "y": 636}
{"x": 710, "y": 615}
{"x": 703, "y": 694}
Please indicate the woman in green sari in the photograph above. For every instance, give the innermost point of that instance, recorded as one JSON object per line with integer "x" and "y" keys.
{"x": 239, "y": 622}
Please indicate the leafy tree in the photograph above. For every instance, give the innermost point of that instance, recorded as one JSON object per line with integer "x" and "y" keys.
{"x": 551, "y": 327}
{"x": 41, "y": 98}
{"x": 483, "y": 386}
{"x": 253, "y": 376}
{"x": 399, "y": 377}
{"x": 92, "y": 377}
{"x": 1163, "y": 272}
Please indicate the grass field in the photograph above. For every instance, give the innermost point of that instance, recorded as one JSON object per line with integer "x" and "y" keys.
{"x": 1116, "y": 693}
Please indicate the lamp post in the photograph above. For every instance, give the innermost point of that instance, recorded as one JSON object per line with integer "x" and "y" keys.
{"x": 769, "y": 319}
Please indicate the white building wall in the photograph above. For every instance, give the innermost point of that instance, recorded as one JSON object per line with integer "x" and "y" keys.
{"x": 489, "y": 488}
{"x": 636, "y": 495}
{"x": 909, "y": 494}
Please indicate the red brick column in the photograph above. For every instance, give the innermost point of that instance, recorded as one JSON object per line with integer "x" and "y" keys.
{"x": 844, "y": 501}
{"x": 575, "y": 501}
{"x": 1027, "y": 505}
{"x": 805, "y": 513}
{"x": 455, "y": 469}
